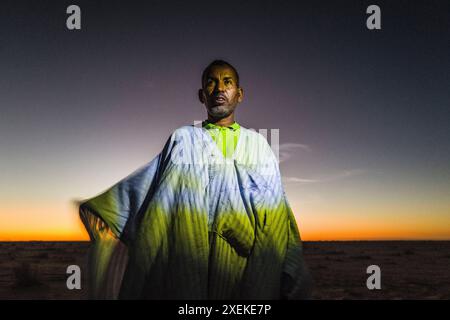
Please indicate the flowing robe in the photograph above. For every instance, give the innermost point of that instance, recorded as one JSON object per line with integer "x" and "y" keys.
{"x": 192, "y": 224}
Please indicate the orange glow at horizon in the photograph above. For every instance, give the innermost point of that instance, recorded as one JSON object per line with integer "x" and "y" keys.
{"x": 310, "y": 230}
{"x": 59, "y": 221}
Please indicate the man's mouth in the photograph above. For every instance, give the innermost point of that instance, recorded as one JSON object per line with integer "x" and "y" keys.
{"x": 219, "y": 99}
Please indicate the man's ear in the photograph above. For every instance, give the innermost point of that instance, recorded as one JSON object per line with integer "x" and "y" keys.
{"x": 241, "y": 94}
{"x": 201, "y": 97}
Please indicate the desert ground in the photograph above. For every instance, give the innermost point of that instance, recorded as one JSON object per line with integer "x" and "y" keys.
{"x": 409, "y": 269}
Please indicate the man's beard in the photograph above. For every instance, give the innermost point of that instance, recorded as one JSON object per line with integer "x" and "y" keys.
{"x": 220, "y": 111}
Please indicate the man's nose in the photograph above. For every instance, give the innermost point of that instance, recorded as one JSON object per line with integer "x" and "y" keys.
{"x": 219, "y": 87}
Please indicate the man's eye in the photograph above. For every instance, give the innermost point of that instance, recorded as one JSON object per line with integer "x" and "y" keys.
{"x": 228, "y": 82}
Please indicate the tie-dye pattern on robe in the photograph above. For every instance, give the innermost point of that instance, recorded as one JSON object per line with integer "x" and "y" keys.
{"x": 192, "y": 224}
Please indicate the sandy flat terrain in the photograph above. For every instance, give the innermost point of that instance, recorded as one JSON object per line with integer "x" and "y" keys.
{"x": 409, "y": 269}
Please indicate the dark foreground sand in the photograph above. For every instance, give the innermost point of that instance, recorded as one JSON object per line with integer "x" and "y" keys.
{"x": 409, "y": 269}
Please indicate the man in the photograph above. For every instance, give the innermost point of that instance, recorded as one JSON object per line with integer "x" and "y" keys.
{"x": 206, "y": 219}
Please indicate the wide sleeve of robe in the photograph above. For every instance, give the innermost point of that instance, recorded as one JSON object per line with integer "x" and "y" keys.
{"x": 111, "y": 219}
{"x": 296, "y": 281}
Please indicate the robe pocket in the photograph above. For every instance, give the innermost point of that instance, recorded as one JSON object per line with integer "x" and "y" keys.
{"x": 241, "y": 240}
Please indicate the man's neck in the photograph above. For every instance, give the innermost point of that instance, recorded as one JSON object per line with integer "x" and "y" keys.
{"x": 224, "y": 122}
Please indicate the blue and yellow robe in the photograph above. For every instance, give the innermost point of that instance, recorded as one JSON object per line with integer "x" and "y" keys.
{"x": 193, "y": 224}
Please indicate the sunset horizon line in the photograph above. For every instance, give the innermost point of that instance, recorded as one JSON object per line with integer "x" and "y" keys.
{"x": 303, "y": 240}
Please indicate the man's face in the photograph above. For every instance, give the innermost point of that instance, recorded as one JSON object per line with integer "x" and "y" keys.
{"x": 220, "y": 93}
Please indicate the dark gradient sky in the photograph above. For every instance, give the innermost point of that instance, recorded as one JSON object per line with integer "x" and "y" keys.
{"x": 363, "y": 115}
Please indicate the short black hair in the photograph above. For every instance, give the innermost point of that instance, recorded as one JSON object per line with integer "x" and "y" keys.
{"x": 219, "y": 63}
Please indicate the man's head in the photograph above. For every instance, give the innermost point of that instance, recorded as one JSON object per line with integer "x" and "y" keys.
{"x": 220, "y": 91}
